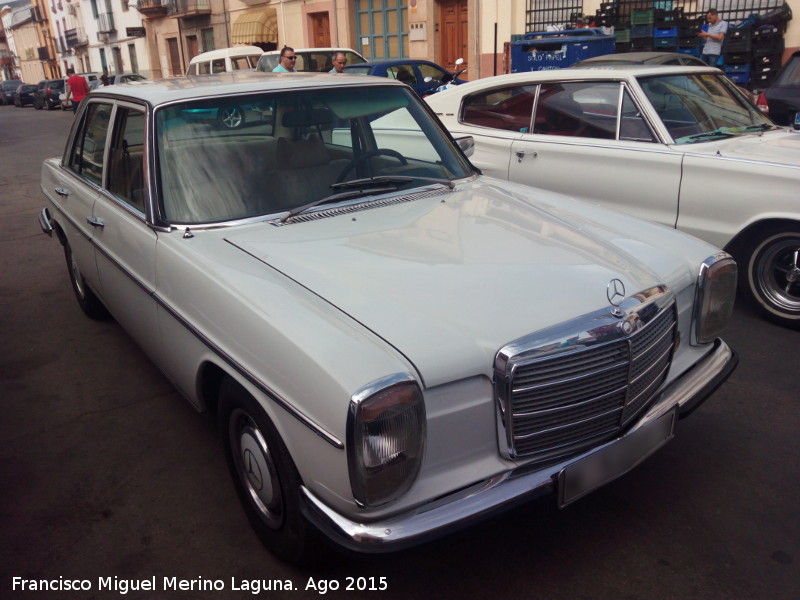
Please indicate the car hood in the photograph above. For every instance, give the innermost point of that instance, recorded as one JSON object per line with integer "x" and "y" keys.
{"x": 778, "y": 147}
{"x": 450, "y": 279}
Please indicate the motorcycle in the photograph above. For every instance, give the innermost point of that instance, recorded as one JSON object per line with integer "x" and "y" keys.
{"x": 449, "y": 80}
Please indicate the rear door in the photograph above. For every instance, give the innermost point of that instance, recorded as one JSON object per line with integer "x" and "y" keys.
{"x": 125, "y": 244}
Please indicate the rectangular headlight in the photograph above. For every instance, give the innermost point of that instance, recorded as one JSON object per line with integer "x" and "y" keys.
{"x": 385, "y": 439}
{"x": 716, "y": 291}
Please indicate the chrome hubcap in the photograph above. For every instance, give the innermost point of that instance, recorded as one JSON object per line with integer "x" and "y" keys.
{"x": 779, "y": 275}
{"x": 231, "y": 117}
{"x": 256, "y": 468}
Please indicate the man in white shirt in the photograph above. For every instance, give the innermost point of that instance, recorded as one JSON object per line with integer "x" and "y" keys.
{"x": 339, "y": 62}
{"x": 717, "y": 28}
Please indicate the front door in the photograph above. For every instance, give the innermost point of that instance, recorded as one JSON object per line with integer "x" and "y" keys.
{"x": 320, "y": 29}
{"x": 453, "y": 25}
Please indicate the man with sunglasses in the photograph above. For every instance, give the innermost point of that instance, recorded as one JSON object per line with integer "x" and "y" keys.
{"x": 288, "y": 60}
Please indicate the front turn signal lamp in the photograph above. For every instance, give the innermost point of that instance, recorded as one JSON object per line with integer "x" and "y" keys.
{"x": 385, "y": 439}
{"x": 714, "y": 298}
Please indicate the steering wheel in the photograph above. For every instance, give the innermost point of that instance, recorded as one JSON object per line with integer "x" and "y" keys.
{"x": 366, "y": 156}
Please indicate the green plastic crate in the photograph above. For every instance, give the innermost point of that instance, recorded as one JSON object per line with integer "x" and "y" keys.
{"x": 642, "y": 17}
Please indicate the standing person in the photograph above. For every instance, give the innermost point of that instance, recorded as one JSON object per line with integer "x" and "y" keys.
{"x": 339, "y": 62}
{"x": 288, "y": 60}
{"x": 76, "y": 87}
{"x": 104, "y": 79}
{"x": 717, "y": 28}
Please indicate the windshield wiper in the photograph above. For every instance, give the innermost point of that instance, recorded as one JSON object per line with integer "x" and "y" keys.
{"x": 721, "y": 132}
{"x": 762, "y": 127}
{"x": 335, "y": 198}
{"x": 390, "y": 179}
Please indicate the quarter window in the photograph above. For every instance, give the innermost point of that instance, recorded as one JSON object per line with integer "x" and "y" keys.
{"x": 87, "y": 156}
{"x": 505, "y": 108}
{"x": 404, "y": 73}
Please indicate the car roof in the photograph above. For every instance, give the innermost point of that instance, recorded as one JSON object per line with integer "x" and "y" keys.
{"x": 162, "y": 91}
{"x": 632, "y": 57}
{"x": 621, "y": 71}
{"x": 321, "y": 49}
{"x": 225, "y": 52}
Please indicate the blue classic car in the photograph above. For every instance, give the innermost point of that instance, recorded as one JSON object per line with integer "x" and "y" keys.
{"x": 423, "y": 76}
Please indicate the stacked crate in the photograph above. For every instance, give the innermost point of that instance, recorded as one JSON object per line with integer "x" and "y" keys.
{"x": 768, "y": 46}
{"x": 642, "y": 29}
{"x": 689, "y": 26}
{"x": 738, "y": 54}
{"x": 665, "y": 29}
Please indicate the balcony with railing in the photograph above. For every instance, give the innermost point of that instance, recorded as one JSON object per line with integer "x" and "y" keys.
{"x": 105, "y": 23}
{"x": 75, "y": 38}
{"x": 44, "y": 53}
{"x": 191, "y": 8}
{"x": 155, "y": 8}
{"x": 6, "y": 58}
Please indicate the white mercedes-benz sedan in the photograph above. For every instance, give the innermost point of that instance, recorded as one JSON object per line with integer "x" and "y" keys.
{"x": 677, "y": 145}
{"x": 393, "y": 344}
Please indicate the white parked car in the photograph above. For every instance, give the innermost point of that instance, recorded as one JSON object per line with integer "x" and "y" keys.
{"x": 394, "y": 345}
{"x": 676, "y": 145}
{"x": 318, "y": 60}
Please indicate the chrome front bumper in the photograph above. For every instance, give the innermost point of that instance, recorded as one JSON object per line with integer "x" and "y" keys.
{"x": 511, "y": 488}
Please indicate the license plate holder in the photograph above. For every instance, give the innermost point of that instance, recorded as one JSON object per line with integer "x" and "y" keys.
{"x": 615, "y": 459}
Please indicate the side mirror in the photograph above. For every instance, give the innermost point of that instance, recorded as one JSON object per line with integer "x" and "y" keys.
{"x": 467, "y": 145}
{"x": 459, "y": 62}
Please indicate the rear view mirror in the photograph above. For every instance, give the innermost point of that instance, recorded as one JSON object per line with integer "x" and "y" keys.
{"x": 467, "y": 145}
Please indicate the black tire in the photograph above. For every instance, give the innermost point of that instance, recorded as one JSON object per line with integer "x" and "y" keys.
{"x": 231, "y": 117}
{"x": 264, "y": 475}
{"x": 90, "y": 304}
{"x": 772, "y": 274}
{"x": 37, "y": 106}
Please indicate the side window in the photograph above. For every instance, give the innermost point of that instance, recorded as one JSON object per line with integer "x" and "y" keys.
{"x": 505, "y": 108}
{"x": 436, "y": 74}
{"x": 125, "y": 174}
{"x": 633, "y": 126}
{"x": 204, "y": 68}
{"x": 218, "y": 65}
{"x": 581, "y": 109}
{"x": 404, "y": 73}
{"x": 86, "y": 158}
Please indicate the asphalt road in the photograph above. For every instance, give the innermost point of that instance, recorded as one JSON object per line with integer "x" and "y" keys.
{"x": 109, "y": 476}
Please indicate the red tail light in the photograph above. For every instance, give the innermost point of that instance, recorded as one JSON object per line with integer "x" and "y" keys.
{"x": 48, "y": 91}
{"x": 761, "y": 103}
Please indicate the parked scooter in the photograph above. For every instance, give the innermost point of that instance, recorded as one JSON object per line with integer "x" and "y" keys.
{"x": 449, "y": 80}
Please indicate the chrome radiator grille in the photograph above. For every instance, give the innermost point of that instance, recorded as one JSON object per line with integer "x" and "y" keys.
{"x": 559, "y": 398}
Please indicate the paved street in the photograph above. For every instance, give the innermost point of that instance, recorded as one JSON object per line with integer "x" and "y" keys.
{"x": 107, "y": 472}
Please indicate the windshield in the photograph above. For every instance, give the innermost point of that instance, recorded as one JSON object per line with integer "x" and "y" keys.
{"x": 231, "y": 158}
{"x": 701, "y": 107}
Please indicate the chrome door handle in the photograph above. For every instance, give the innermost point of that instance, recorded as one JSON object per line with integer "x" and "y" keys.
{"x": 95, "y": 222}
{"x": 62, "y": 191}
{"x": 520, "y": 155}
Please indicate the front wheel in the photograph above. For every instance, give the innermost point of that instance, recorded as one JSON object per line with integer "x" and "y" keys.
{"x": 265, "y": 477}
{"x": 90, "y": 304}
{"x": 773, "y": 275}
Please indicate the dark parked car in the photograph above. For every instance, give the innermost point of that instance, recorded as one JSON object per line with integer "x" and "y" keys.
{"x": 412, "y": 72}
{"x": 23, "y": 95}
{"x": 781, "y": 100}
{"x": 47, "y": 92}
{"x": 642, "y": 58}
{"x": 7, "y": 89}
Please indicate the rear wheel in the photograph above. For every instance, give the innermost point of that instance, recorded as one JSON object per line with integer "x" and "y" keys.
{"x": 773, "y": 275}
{"x": 90, "y": 304}
{"x": 264, "y": 474}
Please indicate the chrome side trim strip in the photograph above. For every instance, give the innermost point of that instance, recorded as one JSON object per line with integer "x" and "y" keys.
{"x": 317, "y": 429}
{"x": 505, "y": 490}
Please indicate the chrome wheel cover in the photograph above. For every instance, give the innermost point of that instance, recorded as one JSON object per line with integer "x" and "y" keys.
{"x": 77, "y": 278}
{"x": 776, "y": 271}
{"x": 231, "y": 117}
{"x": 255, "y": 468}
